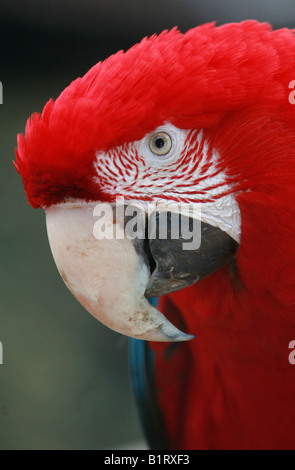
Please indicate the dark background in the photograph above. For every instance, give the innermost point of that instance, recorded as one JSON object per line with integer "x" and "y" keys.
{"x": 64, "y": 383}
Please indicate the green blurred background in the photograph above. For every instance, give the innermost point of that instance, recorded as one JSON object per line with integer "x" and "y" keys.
{"x": 64, "y": 381}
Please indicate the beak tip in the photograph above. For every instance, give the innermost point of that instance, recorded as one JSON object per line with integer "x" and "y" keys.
{"x": 174, "y": 334}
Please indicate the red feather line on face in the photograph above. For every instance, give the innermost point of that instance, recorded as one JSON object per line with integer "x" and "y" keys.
{"x": 192, "y": 80}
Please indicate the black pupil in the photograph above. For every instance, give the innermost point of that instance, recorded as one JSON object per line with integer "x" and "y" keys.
{"x": 159, "y": 142}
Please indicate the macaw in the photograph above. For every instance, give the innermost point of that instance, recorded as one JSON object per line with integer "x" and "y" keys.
{"x": 201, "y": 118}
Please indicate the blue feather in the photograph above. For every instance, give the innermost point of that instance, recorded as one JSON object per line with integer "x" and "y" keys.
{"x": 142, "y": 371}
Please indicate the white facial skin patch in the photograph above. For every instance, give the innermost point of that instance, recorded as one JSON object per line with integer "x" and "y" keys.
{"x": 187, "y": 173}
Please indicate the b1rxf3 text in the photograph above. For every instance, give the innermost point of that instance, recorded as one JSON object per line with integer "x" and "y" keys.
{"x": 169, "y": 459}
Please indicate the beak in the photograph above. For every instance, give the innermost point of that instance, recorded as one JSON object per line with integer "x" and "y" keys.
{"x": 178, "y": 267}
{"x": 112, "y": 272}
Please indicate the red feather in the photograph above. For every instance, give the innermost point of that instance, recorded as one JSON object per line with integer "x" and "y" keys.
{"x": 192, "y": 80}
{"x": 232, "y": 386}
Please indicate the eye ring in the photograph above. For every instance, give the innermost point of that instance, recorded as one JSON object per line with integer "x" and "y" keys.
{"x": 160, "y": 143}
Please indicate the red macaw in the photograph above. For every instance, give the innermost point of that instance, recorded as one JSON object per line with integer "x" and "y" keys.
{"x": 201, "y": 118}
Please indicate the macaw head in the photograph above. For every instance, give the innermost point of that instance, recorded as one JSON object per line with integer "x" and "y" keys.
{"x": 200, "y": 119}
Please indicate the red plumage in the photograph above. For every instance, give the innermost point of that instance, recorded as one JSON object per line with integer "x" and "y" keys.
{"x": 233, "y": 386}
{"x": 191, "y": 80}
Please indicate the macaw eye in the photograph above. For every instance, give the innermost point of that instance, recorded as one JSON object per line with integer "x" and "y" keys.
{"x": 160, "y": 143}
{"x": 163, "y": 146}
